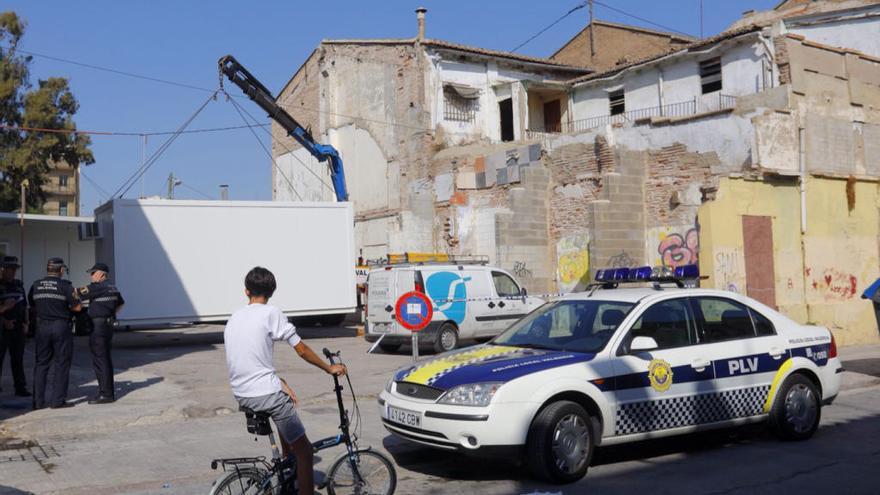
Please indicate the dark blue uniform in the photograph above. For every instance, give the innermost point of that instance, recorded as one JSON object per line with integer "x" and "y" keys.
{"x": 53, "y": 300}
{"x": 102, "y": 300}
{"x": 12, "y": 336}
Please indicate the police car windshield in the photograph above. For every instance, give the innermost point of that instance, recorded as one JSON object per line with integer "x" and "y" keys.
{"x": 575, "y": 326}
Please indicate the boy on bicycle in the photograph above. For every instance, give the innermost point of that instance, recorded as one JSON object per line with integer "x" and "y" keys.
{"x": 249, "y": 339}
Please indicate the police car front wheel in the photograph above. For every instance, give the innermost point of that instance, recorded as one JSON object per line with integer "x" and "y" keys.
{"x": 560, "y": 443}
{"x": 797, "y": 409}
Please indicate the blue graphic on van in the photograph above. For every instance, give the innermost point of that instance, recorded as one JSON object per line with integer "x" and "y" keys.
{"x": 451, "y": 290}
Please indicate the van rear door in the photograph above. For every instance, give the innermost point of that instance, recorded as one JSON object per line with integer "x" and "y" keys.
{"x": 381, "y": 292}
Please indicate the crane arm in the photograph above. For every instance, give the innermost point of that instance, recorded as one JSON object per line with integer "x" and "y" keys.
{"x": 255, "y": 90}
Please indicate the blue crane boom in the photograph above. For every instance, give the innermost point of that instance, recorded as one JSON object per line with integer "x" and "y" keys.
{"x": 255, "y": 90}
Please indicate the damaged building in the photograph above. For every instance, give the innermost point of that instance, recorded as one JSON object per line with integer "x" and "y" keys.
{"x": 753, "y": 153}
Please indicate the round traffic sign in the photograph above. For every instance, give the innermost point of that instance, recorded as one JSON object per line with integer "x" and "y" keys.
{"x": 414, "y": 311}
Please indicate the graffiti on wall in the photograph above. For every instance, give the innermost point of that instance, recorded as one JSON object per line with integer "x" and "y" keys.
{"x": 674, "y": 246}
{"x": 729, "y": 269}
{"x": 623, "y": 259}
{"x": 833, "y": 284}
{"x": 521, "y": 270}
{"x": 573, "y": 262}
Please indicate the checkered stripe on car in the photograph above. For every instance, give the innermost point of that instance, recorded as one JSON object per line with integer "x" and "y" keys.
{"x": 639, "y": 417}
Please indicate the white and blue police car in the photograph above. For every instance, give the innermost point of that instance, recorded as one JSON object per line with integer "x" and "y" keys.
{"x": 605, "y": 367}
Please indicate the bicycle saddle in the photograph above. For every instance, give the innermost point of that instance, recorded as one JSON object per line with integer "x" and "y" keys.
{"x": 257, "y": 422}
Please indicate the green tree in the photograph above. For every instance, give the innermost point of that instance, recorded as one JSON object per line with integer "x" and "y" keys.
{"x": 49, "y": 105}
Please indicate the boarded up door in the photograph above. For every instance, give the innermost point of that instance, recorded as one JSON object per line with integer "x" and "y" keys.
{"x": 758, "y": 244}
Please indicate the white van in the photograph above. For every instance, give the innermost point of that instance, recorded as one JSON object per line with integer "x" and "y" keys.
{"x": 471, "y": 301}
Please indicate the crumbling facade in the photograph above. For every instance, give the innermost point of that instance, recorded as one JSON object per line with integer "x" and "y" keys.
{"x": 752, "y": 154}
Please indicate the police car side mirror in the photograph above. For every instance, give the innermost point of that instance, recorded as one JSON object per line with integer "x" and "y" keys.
{"x": 523, "y": 292}
{"x": 642, "y": 344}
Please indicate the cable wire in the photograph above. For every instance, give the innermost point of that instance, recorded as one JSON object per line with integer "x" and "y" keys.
{"x": 155, "y": 156}
{"x": 200, "y": 193}
{"x": 661, "y": 26}
{"x": 123, "y": 133}
{"x": 557, "y": 21}
{"x": 269, "y": 153}
{"x": 286, "y": 148}
{"x": 200, "y": 88}
{"x": 94, "y": 184}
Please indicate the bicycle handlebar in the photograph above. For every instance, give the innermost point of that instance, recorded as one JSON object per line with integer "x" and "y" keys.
{"x": 330, "y": 355}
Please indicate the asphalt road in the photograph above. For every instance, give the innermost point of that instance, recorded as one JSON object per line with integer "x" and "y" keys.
{"x": 175, "y": 413}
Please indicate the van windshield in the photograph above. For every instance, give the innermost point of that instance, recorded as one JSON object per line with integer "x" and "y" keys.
{"x": 576, "y": 326}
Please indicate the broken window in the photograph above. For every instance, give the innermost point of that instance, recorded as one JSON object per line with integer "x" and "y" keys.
{"x": 460, "y": 103}
{"x": 505, "y": 108}
{"x": 616, "y": 102}
{"x": 710, "y": 75}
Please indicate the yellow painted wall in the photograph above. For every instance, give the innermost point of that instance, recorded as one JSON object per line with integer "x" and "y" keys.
{"x": 840, "y": 248}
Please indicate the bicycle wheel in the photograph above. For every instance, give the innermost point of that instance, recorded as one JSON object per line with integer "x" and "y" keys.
{"x": 247, "y": 481}
{"x": 377, "y": 475}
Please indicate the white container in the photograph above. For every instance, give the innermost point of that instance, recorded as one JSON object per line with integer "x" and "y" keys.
{"x": 185, "y": 261}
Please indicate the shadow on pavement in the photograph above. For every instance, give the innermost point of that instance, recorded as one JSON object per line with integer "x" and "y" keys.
{"x": 753, "y": 445}
{"x": 8, "y": 490}
{"x": 864, "y": 366}
{"x": 133, "y": 349}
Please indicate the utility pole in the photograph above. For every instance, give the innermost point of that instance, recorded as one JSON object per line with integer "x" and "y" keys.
{"x": 592, "y": 38}
{"x": 172, "y": 183}
{"x": 143, "y": 161}
{"x": 24, "y": 185}
{"x": 701, "y": 19}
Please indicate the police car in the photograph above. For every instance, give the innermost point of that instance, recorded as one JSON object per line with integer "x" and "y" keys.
{"x": 605, "y": 367}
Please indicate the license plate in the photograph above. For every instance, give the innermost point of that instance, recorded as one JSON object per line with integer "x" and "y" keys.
{"x": 381, "y": 328}
{"x": 404, "y": 417}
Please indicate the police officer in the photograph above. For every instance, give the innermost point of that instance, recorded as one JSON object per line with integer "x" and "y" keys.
{"x": 103, "y": 301}
{"x": 54, "y": 300}
{"x": 13, "y": 322}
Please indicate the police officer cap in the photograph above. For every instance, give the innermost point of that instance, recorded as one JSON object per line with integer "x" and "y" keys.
{"x": 55, "y": 263}
{"x": 99, "y": 267}
{"x": 10, "y": 261}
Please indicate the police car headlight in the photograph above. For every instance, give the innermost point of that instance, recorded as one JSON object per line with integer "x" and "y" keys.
{"x": 474, "y": 394}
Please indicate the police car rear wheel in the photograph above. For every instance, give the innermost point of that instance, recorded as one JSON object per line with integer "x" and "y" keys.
{"x": 447, "y": 338}
{"x": 560, "y": 443}
{"x": 796, "y": 411}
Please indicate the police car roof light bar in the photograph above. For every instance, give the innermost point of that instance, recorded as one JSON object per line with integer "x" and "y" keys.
{"x": 609, "y": 278}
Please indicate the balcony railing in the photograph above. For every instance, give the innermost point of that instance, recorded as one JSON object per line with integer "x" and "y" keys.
{"x": 681, "y": 109}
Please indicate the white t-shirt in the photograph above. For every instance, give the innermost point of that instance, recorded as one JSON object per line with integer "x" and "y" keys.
{"x": 249, "y": 339}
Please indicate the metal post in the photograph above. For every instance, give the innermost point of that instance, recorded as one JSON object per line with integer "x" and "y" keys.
{"x": 592, "y": 39}
{"x": 24, "y": 184}
{"x": 415, "y": 346}
{"x": 143, "y": 162}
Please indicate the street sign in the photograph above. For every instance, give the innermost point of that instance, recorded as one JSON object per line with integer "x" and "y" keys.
{"x": 414, "y": 311}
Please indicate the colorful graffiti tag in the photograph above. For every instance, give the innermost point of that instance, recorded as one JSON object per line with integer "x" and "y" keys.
{"x": 677, "y": 249}
{"x": 573, "y": 262}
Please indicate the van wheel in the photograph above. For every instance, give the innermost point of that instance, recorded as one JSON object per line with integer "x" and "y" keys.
{"x": 796, "y": 410}
{"x": 389, "y": 348}
{"x": 560, "y": 443}
{"x": 447, "y": 338}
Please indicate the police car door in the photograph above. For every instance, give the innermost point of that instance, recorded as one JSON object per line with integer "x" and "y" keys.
{"x": 656, "y": 389}
{"x": 745, "y": 353}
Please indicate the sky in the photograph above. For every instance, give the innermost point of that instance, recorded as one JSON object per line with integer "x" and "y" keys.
{"x": 181, "y": 41}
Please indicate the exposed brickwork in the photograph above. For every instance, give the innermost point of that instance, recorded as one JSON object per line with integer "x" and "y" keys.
{"x": 615, "y": 43}
{"x": 576, "y": 171}
{"x": 675, "y": 169}
{"x": 781, "y": 58}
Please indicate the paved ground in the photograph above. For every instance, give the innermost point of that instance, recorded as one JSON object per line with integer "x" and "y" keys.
{"x": 175, "y": 413}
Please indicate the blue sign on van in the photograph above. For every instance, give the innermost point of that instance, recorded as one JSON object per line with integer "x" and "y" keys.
{"x": 449, "y": 291}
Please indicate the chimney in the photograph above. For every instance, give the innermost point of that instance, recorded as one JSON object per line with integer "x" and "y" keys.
{"x": 420, "y": 15}
{"x": 224, "y": 192}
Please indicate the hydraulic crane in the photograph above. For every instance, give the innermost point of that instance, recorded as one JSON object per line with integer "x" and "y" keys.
{"x": 255, "y": 90}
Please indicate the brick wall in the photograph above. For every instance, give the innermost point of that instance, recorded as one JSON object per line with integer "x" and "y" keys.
{"x": 613, "y": 45}
{"x": 674, "y": 169}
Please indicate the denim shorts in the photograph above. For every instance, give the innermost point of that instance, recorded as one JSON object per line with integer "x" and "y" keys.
{"x": 280, "y": 408}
